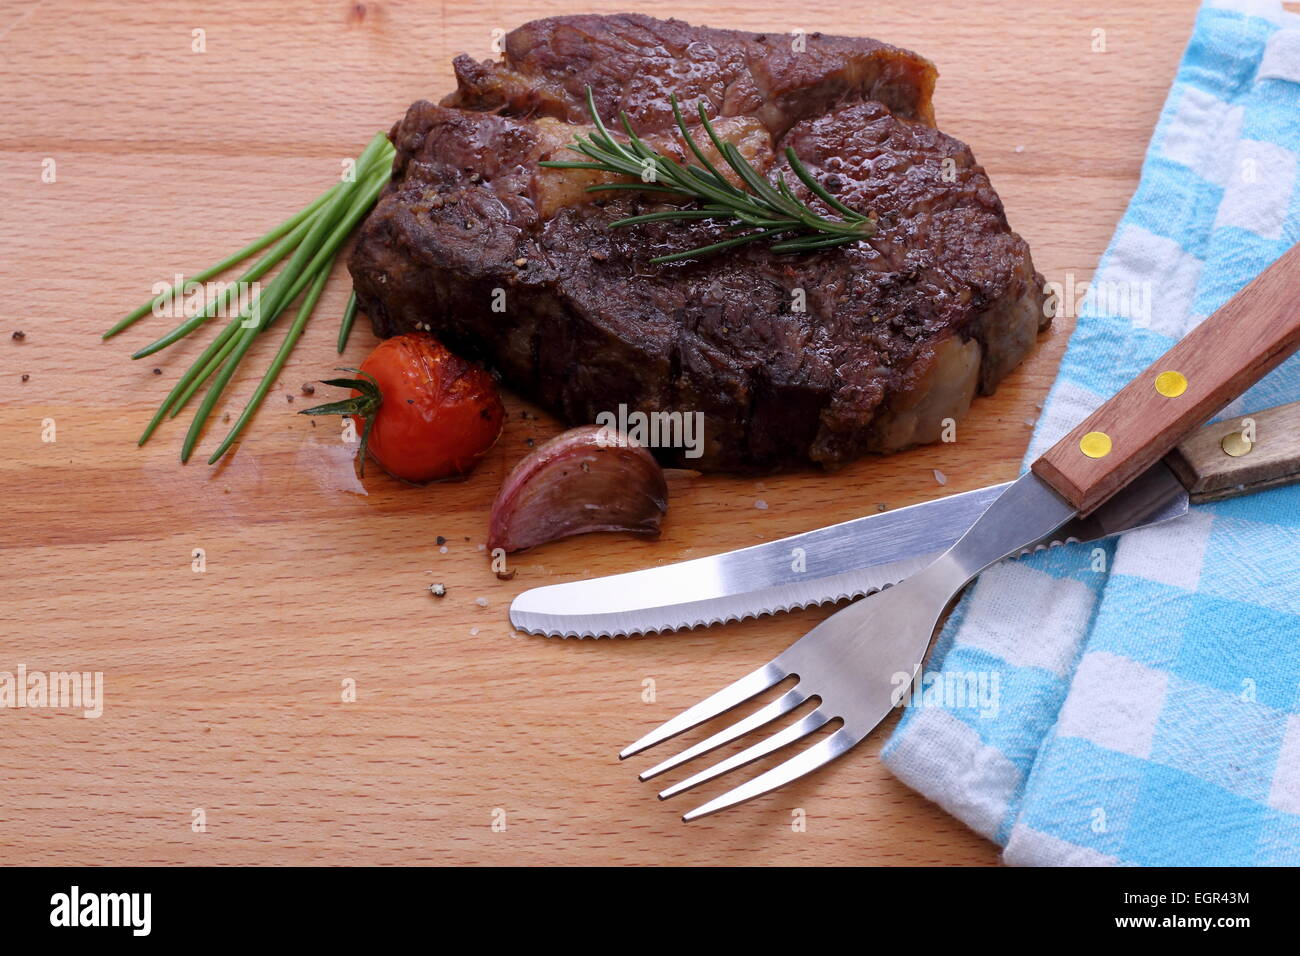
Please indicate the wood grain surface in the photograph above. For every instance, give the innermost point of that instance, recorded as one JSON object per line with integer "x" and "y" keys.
{"x": 223, "y": 689}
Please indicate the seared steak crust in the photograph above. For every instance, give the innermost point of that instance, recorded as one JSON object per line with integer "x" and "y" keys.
{"x": 633, "y": 62}
{"x": 815, "y": 357}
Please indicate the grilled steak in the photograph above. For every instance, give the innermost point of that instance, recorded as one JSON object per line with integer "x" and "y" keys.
{"x": 819, "y": 356}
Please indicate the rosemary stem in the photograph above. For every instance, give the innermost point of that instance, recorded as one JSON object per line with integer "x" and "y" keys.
{"x": 714, "y": 247}
{"x": 769, "y": 208}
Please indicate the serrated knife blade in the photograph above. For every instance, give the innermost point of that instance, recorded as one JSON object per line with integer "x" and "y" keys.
{"x": 839, "y": 562}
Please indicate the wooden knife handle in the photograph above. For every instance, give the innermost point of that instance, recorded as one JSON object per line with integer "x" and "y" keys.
{"x": 1222, "y": 357}
{"x": 1240, "y": 455}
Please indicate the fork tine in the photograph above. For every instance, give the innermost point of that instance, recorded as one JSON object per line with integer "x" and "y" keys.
{"x": 796, "y": 731}
{"x": 794, "y": 768}
{"x": 782, "y": 705}
{"x": 730, "y": 696}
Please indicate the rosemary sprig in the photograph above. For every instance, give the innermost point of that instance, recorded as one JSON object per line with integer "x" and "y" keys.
{"x": 311, "y": 240}
{"x": 768, "y": 209}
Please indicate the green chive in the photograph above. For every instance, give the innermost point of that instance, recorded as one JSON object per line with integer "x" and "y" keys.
{"x": 311, "y": 240}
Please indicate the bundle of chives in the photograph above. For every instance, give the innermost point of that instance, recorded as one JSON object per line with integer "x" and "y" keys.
{"x": 311, "y": 239}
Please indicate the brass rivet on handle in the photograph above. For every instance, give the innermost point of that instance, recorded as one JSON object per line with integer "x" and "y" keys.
{"x": 1171, "y": 384}
{"x": 1236, "y": 444}
{"x": 1095, "y": 444}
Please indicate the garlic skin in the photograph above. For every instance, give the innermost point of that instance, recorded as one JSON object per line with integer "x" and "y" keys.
{"x": 586, "y": 479}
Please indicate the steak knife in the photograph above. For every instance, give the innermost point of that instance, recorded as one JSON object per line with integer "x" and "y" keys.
{"x": 858, "y": 557}
{"x": 861, "y": 556}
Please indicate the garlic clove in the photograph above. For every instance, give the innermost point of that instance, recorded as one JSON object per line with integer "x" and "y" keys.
{"x": 586, "y": 479}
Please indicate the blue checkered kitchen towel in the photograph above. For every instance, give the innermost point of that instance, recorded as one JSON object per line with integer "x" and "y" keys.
{"x": 1142, "y": 706}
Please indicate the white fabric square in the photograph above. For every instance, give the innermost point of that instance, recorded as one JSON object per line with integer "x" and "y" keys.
{"x": 1167, "y": 276}
{"x": 1114, "y": 703}
{"x": 1169, "y": 553}
{"x": 944, "y": 760}
{"x": 1270, "y": 10}
{"x": 1069, "y": 404}
{"x": 1285, "y": 792}
{"x": 1195, "y": 134}
{"x": 1255, "y": 561}
{"x": 1030, "y": 847}
{"x": 1281, "y": 59}
{"x": 996, "y": 620}
{"x": 1259, "y": 190}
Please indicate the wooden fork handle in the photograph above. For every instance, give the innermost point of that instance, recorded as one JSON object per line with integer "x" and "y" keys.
{"x": 1227, "y": 353}
{"x": 1239, "y": 456}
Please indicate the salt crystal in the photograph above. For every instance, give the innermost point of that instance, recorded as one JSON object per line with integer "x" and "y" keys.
{"x": 760, "y": 504}
{"x": 481, "y": 602}
{"x": 443, "y": 549}
{"x": 940, "y": 477}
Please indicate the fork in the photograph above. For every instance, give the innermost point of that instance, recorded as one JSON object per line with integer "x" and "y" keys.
{"x": 855, "y": 664}
{"x": 858, "y": 661}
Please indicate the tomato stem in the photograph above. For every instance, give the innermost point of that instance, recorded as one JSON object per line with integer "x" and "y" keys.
{"x": 364, "y": 406}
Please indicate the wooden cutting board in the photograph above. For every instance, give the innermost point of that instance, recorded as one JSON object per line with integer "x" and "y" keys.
{"x": 225, "y": 737}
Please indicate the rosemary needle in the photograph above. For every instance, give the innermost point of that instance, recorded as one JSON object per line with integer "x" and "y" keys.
{"x": 771, "y": 209}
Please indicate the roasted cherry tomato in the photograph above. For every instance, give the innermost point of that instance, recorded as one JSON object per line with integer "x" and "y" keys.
{"x": 422, "y": 412}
